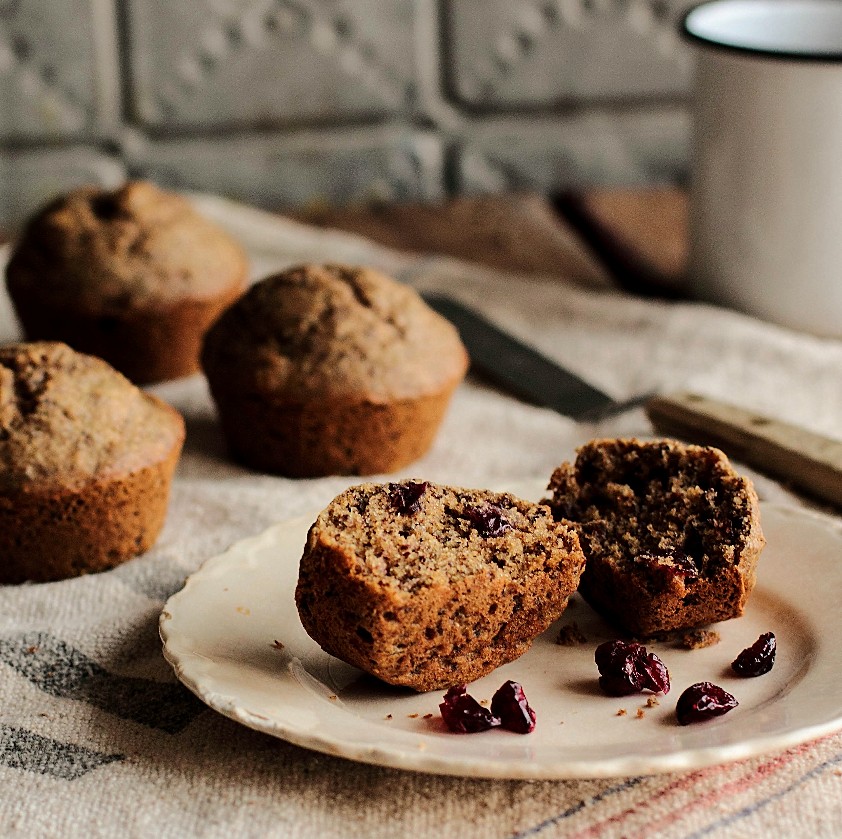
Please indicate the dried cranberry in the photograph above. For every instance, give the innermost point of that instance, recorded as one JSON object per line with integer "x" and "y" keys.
{"x": 406, "y": 496}
{"x": 702, "y": 701}
{"x": 488, "y": 519}
{"x": 626, "y": 667}
{"x": 463, "y": 714}
{"x": 657, "y": 675}
{"x": 758, "y": 658}
{"x": 513, "y": 709}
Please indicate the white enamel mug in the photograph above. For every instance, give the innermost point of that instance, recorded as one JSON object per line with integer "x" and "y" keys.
{"x": 766, "y": 181}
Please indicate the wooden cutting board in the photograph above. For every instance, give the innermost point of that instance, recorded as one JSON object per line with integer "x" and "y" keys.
{"x": 522, "y": 233}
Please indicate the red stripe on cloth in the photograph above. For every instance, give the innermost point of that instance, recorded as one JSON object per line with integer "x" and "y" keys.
{"x": 753, "y": 776}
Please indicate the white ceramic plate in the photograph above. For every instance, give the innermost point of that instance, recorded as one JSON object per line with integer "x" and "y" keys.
{"x": 220, "y": 635}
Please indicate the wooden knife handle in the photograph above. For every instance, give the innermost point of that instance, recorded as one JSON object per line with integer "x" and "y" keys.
{"x": 810, "y": 462}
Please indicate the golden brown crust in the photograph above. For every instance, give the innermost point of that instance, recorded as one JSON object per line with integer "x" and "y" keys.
{"x": 134, "y": 276}
{"x": 330, "y": 437}
{"x": 331, "y": 370}
{"x": 86, "y": 461}
{"x": 52, "y": 535}
{"x": 146, "y": 345}
{"x": 671, "y": 532}
{"x": 423, "y": 598}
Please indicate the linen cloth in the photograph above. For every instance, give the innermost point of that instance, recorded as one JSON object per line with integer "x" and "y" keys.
{"x": 98, "y": 739}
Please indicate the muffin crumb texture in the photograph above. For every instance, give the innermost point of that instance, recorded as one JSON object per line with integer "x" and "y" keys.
{"x": 569, "y": 635}
{"x": 671, "y": 532}
{"x": 433, "y": 588}
{"x": 698, "y": 639}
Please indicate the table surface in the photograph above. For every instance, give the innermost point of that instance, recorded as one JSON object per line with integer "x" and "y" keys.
{"x": 97, "y": 738}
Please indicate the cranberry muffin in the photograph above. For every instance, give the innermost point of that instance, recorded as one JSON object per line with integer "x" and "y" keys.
{"x": 671, "y": 532}
{"x": 328, "y": 369}
{"x": 86, "y": 461}
{"x": 431, "y": 586}
{"x": 134, "y": 276}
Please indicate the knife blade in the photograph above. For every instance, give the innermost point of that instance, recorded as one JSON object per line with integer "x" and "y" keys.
{"x": 809, "y": 462}
{"x": 523, "y": 371}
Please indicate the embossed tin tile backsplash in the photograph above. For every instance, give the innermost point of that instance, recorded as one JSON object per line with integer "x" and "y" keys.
{"x": 291, "y": 102}
{"x": 544, "y": 54}
{"x": 59, "y": 77}
{"x": 202, "y": 64}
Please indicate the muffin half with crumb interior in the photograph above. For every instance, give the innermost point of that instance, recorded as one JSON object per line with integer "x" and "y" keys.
{"x": 431, "y": 586}
{"x": 329, "y": 369}
{"x": 134, "y": 276}
{"x": 86, "y": 461}
{"x": 671, "y": 532}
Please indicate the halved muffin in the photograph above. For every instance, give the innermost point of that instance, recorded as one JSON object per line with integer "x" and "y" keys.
{"x": 670, "y": 531}
{"x": 431, "y": 586}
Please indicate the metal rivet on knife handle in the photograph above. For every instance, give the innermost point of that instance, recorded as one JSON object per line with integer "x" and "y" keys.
{"x": 808, "y": 461}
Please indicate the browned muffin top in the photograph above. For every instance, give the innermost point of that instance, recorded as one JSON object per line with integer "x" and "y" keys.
{"x": 334, "y": 330}
{"x": 67, "y": 418}
{"x": 137, "y": 246}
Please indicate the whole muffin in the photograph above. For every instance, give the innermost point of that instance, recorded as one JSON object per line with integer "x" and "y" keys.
{"x": 430, "y": 586}
{"x": 86, "y": 461}
{"x": 328, "y": 369}
{"x": 671, "y": 532}
{"x": 134, "y": 276}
